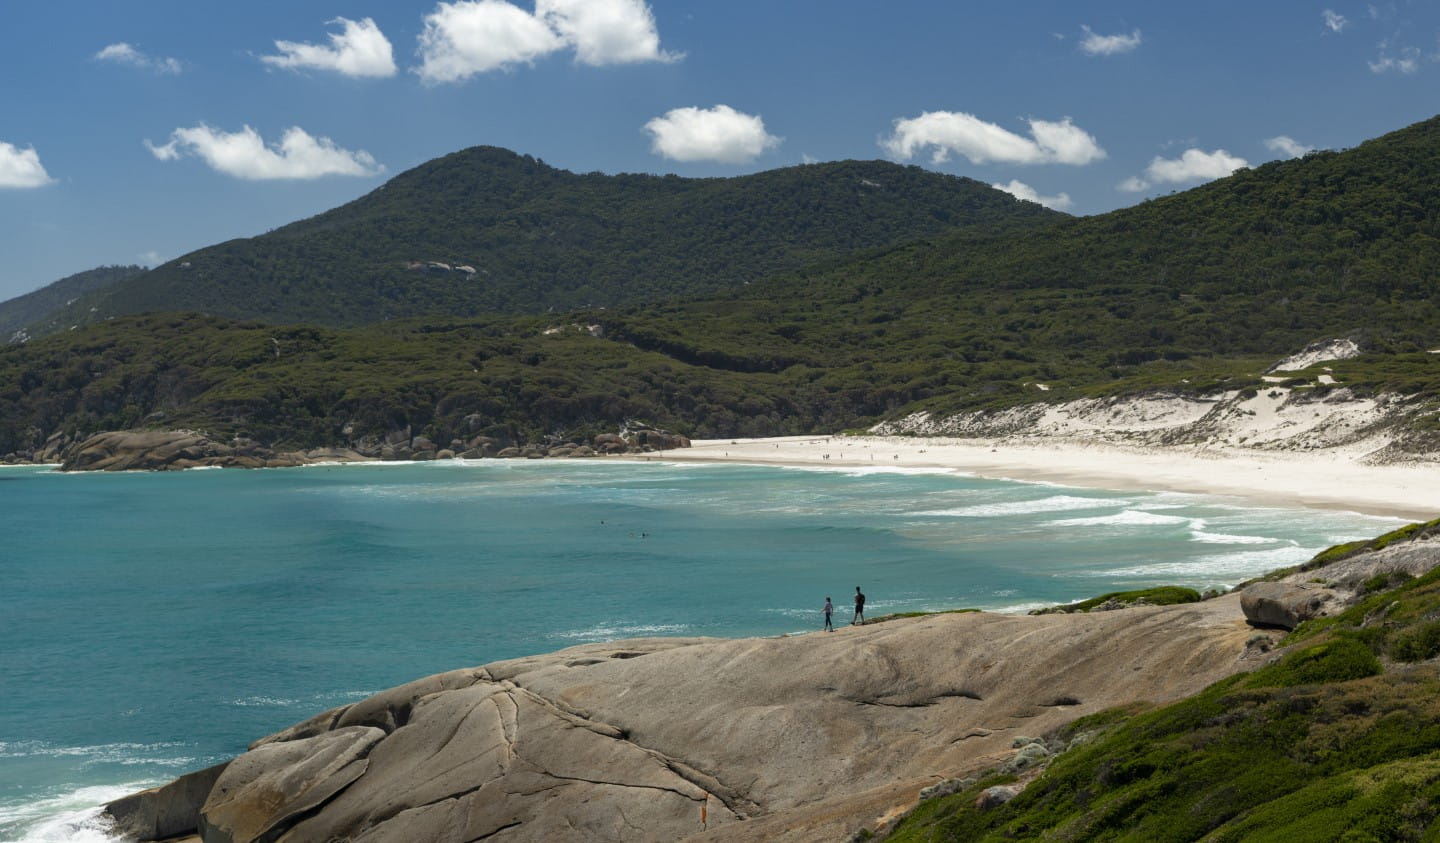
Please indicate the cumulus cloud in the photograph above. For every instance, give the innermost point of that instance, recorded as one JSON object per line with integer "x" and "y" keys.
{"x": 126, "y": 54}
{"x": 465, "y": 38}
{"x": 606, "y": 31}
{"x": 1287, "y": 146}
{"x": 947, "y": 132}
{"x": 468, "y": 37}
{"x": 21, "y": 167}
{"x": 1095, "y": 44}
{"x": 244, "y": 155}
{"x": 1193, "y": 165}
{"x": 1399, "y": 59}
{"x": 359, "y": 49}
{"x": 1021, "y": 190}
{"x": 709, "y": 134}
{"x": 1334, "y": 21}
{"x": 1134, "y": 184}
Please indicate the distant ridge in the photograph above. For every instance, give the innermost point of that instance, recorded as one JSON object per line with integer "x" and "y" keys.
{"x": 487, "y": 230}
{"x": 1196, "y": 294}
{"x": 22, "y": 311}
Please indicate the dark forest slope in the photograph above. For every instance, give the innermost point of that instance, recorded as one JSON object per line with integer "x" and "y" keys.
{"x": 486, "y": 230}
{"x": 1195, "y": 292}
{"x": 18, "y": 313}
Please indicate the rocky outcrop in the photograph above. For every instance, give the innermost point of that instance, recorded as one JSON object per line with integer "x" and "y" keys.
{"x": 796, "y": 738}
{"x": 1286, "y": 605}
{"x": 152, "y": 450}
{"x": 169, "y": 450}
{"x": 159, "y": 450}
{"x": 164, "y": 812}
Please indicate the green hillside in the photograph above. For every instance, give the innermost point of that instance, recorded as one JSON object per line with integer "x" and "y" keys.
{"x": 23, "y": 311}
{"x": 486, "y": 230}
{"x": 1199, "y": 291}
{"x": 1258, "y": 264}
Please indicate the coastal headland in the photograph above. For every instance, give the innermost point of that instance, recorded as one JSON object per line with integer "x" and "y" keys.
{"x": 794, "y": 738}
{"x": 840, "y": 735}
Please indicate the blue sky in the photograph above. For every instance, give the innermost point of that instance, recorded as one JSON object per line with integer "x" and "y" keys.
{"x": 133, "y": 132}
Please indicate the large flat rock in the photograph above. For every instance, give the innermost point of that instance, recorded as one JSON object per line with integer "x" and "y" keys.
{"x": 796, "y": 738}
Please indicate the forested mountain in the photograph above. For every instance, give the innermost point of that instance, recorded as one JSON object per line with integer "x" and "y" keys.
{"x": 1260, "y": 263}
{"x": 19, "y": 312}
{"x": 486, "y": 230}
{"x": 1195, "y": 291}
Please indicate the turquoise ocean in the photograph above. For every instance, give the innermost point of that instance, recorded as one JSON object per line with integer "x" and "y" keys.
{"x": 152, "y": 624}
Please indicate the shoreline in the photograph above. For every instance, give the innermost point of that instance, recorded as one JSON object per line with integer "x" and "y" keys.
{"x": 1330, "y": 479}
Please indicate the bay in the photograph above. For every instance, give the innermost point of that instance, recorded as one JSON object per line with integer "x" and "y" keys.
{"x": 157, "y": 623}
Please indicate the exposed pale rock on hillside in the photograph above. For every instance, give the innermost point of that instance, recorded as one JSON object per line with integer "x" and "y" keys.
{"x": 795, "y": 738}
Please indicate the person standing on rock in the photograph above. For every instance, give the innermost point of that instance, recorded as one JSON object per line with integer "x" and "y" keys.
{"x": 828, "y": 610}
{"x": 859, "y": 607}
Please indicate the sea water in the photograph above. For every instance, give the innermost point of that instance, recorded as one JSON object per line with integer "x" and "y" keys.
{"x": 155, "y": 623}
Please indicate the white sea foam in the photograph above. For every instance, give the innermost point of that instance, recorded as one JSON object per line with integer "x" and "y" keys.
{"x": 1055, "y": 503}
{"x": 1229, "y": 538}
{"x": 70, "y": 817}
{"x": 1228, "y": 566}
{"x": 610, "y": 633}
{"x": 1020, "y": 608}
{"x": 342, "y": 696}
{"x": 259, "y": 702}
{"x": 1128, "y": 518}
{"x": 110, "y": 753}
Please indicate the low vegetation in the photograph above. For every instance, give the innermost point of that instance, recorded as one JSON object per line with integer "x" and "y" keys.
{"x": 1339, "y": 739}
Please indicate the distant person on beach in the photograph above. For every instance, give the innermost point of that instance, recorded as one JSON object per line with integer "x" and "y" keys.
{"x": 828, "y": 610}
{"x": 859, "y": 607}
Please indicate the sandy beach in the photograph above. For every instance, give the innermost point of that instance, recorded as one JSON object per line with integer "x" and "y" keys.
{"x": 1329, "y": 479}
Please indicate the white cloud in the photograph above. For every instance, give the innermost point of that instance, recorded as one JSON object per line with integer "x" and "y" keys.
{"x": 469, "y": 37}
{"x": 965, "y": 134}
{"x": 1402, "y": 60}
{"x": 1094, "y": 44}
{"x": 1021, "y": 190}
{"x": 714, "y": 134}
{"x": 1192, "y": 165}
{"x": 1333, "y": 20}
{"x": 126, "y": 54}
{"x": 1287, "y": 146}
{"x": 359, "y": 49}
{"x": 244, "y": 155}
{"x": 151, "y": 258}
{"x": 605, "y": 31}
{"x": 21, "y": 167}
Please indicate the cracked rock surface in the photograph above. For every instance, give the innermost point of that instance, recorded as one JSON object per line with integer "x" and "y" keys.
{"x": 796, "y": 738}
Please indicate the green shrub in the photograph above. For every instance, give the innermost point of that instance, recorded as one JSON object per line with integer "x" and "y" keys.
{"x": 1336, "y": 660}
{"x": 1167, "y": 595}
{"x": 1417, "y": 643}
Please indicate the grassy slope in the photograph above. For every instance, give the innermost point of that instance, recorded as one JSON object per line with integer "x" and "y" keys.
{"x": 1338, "y": 740}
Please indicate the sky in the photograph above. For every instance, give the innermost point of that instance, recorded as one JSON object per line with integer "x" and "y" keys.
{"x": 135, "y": 131}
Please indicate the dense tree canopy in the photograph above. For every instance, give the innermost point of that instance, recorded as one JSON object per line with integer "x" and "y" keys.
{"x": 1196, "y": 291}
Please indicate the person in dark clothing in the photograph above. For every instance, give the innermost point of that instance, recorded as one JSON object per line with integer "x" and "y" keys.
{"x": 859, "y": 607}
{"x": 829, "y": 608}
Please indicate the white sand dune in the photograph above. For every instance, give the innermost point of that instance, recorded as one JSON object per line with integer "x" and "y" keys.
{"x": 1278, "y": 447}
